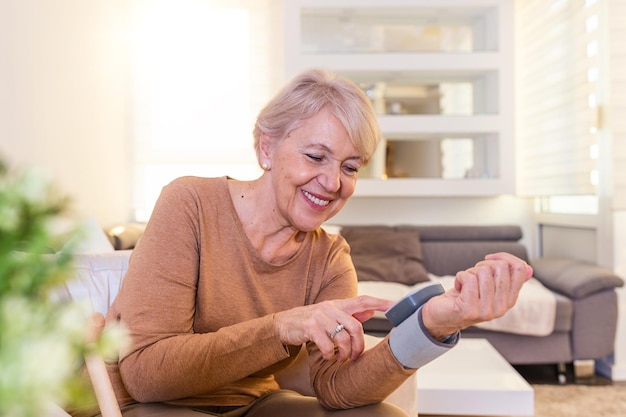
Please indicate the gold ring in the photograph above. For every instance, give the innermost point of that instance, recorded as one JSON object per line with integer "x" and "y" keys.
{"x": 336, "y": 331}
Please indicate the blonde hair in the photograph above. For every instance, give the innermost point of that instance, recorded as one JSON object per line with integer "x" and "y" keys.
{"x": 308, "y": 93}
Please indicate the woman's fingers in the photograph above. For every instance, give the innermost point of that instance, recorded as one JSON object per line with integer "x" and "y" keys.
{"x": 519, "y": 271}
{"x": 485, "y": 291}
{"x": 334, "y": 326}
{"x": 363, "y": 306}
{"x": 351, "y": 312}
{"x": 347, "y": 343}
{"x": 516, "y": 264}
{"x": 325, "y": 344}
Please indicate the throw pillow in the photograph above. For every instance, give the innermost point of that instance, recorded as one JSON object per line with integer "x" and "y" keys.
{"x": 386, "y": 254}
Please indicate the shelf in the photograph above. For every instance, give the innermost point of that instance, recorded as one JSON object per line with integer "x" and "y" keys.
{"x": 431, "y": 187}
{"x": 394, "y": 26}
{"x": 440, "y": 77}
{"x": 453, "y": 66}
{"x": 427, "y": 127}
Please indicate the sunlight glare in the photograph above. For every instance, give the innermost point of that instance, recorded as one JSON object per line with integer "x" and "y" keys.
{"x": 187, "y": 56}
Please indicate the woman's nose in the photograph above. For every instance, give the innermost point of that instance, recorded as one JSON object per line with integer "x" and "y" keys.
{"x": 330, "y": 177}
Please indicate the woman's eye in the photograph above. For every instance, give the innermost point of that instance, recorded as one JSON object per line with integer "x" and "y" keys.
{"x": 315, "y": 157}
{"x": 351, "y": 169}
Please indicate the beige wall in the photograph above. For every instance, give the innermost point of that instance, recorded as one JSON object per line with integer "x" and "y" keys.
{"x": 63, "y": 97}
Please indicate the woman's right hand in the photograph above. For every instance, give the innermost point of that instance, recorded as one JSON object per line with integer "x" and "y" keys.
{"x": 316, "y": 322}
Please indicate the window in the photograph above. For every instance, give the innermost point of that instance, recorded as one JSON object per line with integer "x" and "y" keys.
{"x": 559, "y": 102}
{"x": 201, "y": 70}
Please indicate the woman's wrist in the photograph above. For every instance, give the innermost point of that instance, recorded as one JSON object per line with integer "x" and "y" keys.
{"x": 437, "y": 331}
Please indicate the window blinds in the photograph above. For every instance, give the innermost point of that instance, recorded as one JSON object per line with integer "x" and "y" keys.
{"x": 558, "y": 68}
{"x": 616, "y": 20}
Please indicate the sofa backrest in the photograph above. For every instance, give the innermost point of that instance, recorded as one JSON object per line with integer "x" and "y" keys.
{"x": 449, "y": 249}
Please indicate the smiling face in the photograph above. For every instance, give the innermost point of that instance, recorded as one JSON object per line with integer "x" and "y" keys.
{"x": 313, "y": 171}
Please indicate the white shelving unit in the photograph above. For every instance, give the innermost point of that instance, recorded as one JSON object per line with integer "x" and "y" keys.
{"x": 440, "y": 74}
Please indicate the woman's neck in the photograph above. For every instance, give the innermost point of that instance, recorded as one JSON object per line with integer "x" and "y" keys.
{"x": 276, "y": 243}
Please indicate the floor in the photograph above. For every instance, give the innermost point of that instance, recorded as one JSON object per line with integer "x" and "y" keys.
{"x": 549, "y": 374}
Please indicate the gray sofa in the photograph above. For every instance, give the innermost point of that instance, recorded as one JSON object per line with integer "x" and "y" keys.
{"x": 586, "y": 312}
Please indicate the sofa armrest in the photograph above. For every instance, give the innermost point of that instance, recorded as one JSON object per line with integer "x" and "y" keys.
{"x": 573, "y": 278}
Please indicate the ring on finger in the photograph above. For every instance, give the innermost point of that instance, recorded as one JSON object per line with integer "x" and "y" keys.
{"x": 336, "y": 331}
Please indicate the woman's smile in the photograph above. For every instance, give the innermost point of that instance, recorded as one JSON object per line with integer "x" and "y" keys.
{"x": 316, "y": 201}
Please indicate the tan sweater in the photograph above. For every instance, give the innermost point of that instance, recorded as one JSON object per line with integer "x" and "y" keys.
{"x": 199, "y": 302}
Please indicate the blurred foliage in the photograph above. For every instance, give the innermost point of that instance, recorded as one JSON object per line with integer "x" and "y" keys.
{"x": 42, "y": 341}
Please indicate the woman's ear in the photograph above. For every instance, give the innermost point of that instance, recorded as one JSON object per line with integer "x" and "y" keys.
{"x": 265, "y": 151}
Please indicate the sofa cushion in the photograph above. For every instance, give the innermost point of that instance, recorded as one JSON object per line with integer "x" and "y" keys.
{"x": 562, "y": 321}
{"x": 381, "y": 253}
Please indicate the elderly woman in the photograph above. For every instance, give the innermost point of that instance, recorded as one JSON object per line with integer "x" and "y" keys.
{"x": 232, "y": 278}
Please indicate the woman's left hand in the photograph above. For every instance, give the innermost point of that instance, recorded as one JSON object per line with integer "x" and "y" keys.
{"x": 481, "y": 293}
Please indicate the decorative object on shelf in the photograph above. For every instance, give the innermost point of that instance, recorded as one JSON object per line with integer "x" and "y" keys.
{"x": 42, "y": 342}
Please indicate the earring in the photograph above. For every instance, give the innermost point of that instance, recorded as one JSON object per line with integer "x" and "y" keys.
{"x": 265, "y": 166}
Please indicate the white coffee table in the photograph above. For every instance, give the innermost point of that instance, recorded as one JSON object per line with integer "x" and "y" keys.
{"x": 473, "y": 379}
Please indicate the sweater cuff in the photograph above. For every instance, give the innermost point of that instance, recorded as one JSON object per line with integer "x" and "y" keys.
{"x": 413, "y": 346}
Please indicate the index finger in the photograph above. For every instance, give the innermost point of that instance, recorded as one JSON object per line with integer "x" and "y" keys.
{"x": 364, "y": 306}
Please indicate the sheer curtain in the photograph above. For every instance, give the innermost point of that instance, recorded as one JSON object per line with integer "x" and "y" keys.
{"x": 201, "y": 71}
